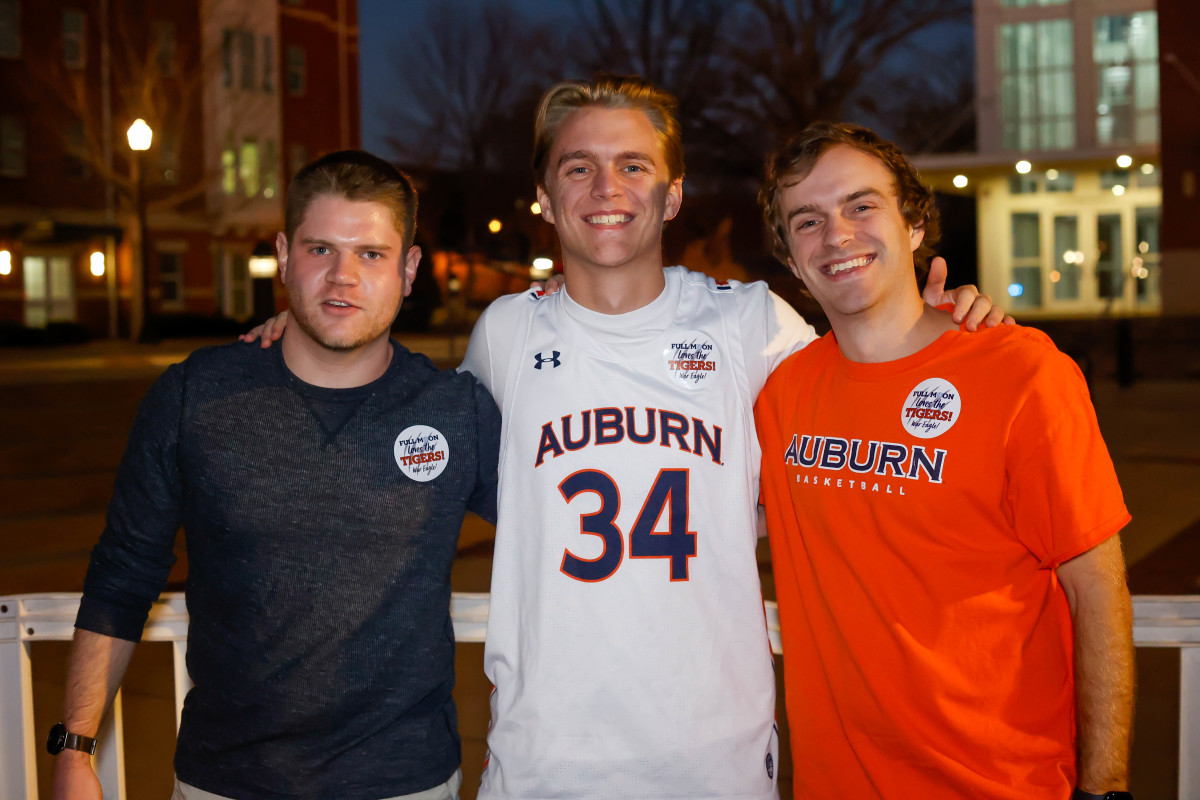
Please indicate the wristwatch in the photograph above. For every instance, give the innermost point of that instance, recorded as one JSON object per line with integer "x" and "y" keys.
{"x": 1080, "y": 794}
{"x": 60, "y": 740}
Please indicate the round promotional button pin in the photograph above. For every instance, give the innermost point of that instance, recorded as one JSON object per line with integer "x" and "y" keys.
{"x": 421, "y": 452}
{"x": 931, "y": 408}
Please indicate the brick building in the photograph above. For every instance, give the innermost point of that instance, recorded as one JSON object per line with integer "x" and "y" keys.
{"x": 224, "y": 85}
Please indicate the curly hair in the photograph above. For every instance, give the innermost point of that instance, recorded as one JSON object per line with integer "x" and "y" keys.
{"x": 792, "y": 161}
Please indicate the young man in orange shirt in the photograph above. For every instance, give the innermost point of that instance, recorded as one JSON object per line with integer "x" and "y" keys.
{"x": 943, "y": 517}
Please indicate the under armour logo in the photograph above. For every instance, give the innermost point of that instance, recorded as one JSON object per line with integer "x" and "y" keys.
{"x": 553, "y": 359}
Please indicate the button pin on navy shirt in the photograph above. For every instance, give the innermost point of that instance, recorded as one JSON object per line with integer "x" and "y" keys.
{"x": 421, "y": 452}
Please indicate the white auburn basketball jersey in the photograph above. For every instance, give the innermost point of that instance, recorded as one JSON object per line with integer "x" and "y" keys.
{"x": 627, "y": 642}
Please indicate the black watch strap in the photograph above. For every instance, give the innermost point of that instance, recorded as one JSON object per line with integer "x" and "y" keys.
{"x": 60, "y": 740}
{"x": 1080, "y": 794}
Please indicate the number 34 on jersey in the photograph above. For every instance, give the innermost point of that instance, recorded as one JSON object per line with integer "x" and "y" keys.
{"x": 668, "y": 494}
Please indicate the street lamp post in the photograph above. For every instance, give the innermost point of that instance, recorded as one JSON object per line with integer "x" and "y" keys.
{"x": 140, "y": 136}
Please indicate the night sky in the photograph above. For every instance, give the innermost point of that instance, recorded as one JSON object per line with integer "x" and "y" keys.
{"x": 385, "y": 25}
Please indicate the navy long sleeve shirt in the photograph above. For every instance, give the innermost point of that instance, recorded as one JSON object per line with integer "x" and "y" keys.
{"x": 319, "y": 541}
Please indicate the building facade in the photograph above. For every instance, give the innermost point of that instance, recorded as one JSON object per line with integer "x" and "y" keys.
{"x": 216, "y": 81}
{"x": 1067, "y": 175}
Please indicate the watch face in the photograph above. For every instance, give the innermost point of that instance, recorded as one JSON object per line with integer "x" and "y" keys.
{"x": 57, "y": 739}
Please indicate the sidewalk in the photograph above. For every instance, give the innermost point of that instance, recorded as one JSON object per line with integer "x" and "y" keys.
{"x": 117, "y": 360}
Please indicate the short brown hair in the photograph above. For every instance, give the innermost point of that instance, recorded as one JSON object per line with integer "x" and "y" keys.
{"x": 607, "y": 91}
{"x": 355, "y": 175}
{"x": 795, "y": 158}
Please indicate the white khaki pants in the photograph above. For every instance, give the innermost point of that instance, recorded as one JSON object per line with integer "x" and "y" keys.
{"x": 445, "y": 791}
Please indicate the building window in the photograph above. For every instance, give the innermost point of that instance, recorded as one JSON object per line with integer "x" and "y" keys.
{"x": 1037, "y": 85}
{"x": 228, "y": 168}
{"x": 12, "y": 146}
{"x": 249, "y": 168}
{"x": 74, "y": 29}
{"x": 165, "y": 48}
{"x": 248, "y": 55}
{"x": 1144, "y": 268}
{"x": 227, "y": 58}
{"x": 1023, "y": 184}
{"x": 170, "y": 277}
{"x": 1126, "y": 53}
{"x": 10, "y": 29}
{"x": 1026, "y": 287}
{"x": 1068, "y": 260}
{"x": 268, "y": 62}
{"x": 1060, "y": 181}
{"x": 1110, "y": 277}
{"x": 270, "y": 170}
{"x": 296, "y": 78}
{"x": 1148, "y": 176}
{"x": 1115, "y": 177}
{"x": 76, "y": 151}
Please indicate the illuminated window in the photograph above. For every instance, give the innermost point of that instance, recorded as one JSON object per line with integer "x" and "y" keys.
{"x": 270, "y": 169}
{"x": 74, "y": 29}
{"x": 1125, "y": 49}
{"x": 1026, "y": 261}
{"x": 249, "y": 167}
{"x": 1110, "y": 277}
{"x": 1145, "y": 267}
{"x": 1037, "y": 85}
{"x": 1066, "y": 263}
{"x": 10, "y": 29}
{"x": 228, "y": 169}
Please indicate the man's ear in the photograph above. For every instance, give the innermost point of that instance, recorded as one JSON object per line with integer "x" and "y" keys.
{"x": 674, "y": 198}
{"x": 916, "y": 235}
{"x": 281, "y": 254}
{"x": 544, "y": 203}
{"x": 411, "y": 259}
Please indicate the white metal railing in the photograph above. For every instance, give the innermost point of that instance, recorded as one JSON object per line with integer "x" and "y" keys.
{"x": 1158, "y": 621}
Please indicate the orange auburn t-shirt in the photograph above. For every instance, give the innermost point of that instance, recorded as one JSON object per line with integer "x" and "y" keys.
{"x": 917, "y": 509}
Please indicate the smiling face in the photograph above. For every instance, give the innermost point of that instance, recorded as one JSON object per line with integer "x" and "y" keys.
{"x": 846, "y": 237}
{"x": 346, "y": 271}
{"x": 608, "y": 190}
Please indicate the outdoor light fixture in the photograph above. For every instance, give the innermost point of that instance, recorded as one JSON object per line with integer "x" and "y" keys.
{"x": 1147, "y": 169}
{"x": 1024, "y": 167}
{"x": 5, "y": 262}
{"x": 541, "y": 269}
{"x": 97, "y": 263}
{"x": 1124, "y": 162}
{"x": 1015, "y": 290}
{"x": 263, "y": 263}
{"x": 1118, "y": 190}
{"x": 495, "y": 225}
{"x": 535, "y": 208}
{"x": 1052, "y": 174}
{"x": 1055, "y": 276}
{"x": 960, "y": 181}
{"x": 139, "y": 134}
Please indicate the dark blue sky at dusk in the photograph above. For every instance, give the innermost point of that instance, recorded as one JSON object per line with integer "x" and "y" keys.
{"x": 388, "y": 26}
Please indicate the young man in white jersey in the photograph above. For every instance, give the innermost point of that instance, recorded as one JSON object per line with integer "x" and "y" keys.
{"x": 626, "y": 641}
